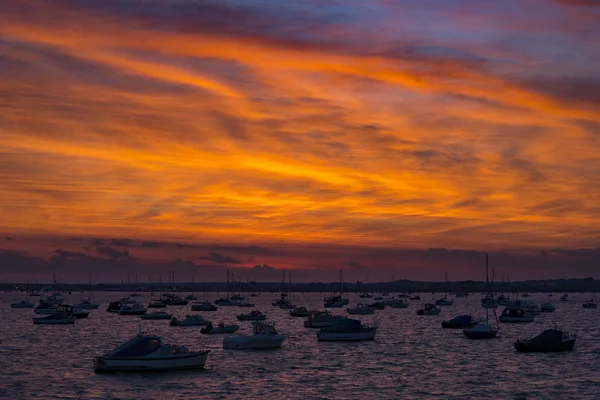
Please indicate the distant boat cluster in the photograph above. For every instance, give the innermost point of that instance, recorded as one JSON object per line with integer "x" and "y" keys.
{"x": 149, "y": 352}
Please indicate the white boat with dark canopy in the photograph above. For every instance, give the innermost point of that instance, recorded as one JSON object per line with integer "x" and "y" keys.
{"x": 62, "y": 316}
{"x": 347, "y": 330}
{"x": 264, "y": 336}
{"x": 149, "y": 353}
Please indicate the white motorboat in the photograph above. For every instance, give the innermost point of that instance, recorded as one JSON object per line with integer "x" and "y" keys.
{"x": 515, "y": 314}
{"x": 429, "y": 309}
{"x": 252, "y": 316}
{"x": 221, "y": 328}
{"x": 87, "y": 305}
{"x": 189, "y": 320}
{"x": 361, "y": 309}
{"x": 148, "y": 353}
{"x": 264, "y": 336}
{"x": 245, "y": 304}
{"x": 347, "y": 330}
{"x": 115, "y": 306}
{"x": 156, "y": 315}
{"x": 527, "y": 305}
{"x": 321, "y": 319}
{"x": 22, "y": 304}
{"x": 62, "y": 316}
{"x": 132, "y": 309}
{"x": 204, "y": 306}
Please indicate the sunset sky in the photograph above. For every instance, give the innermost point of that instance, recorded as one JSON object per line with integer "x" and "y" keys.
{"x": 312, "y": 135}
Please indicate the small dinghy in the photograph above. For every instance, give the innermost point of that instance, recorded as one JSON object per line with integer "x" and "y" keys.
{"x": 252, "y": 316}
{"x": 190, "y": 320}
{"x": 264, "y": 336}
{"x": 300, "y": 312}
{"x": 221, "y": 328}
{"x": 22, "y": 304}
{"x": 417, "y": 297}
{"x": 148, "y": 353}
{"x": 551, "y": 340}
{"x": 156, "y": 315}
{"x": 347, "y": 330}
{"x": 245, "y": 304}
{"x": 429, "y": 309}
{"x": 361, "y": 309}
{"x": 62, "y": 316}
{"x": 460, "y": 322}
{"x": 204, "y": 306}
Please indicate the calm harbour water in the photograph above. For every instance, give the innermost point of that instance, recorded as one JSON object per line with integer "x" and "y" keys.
{"x": 411, "y": 358}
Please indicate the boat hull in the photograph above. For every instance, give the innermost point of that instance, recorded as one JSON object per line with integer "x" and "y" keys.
{"x": 256, "y": 342}
{"x": 114, "y": 364}
{"x": 526, "y": 347}
{"x": 346, "y": 337}
{"x": 47, "y": 321}
{"x": 515, "y": 320}
{"x": 474, "y": 334}
{"x": 22, "y": 306}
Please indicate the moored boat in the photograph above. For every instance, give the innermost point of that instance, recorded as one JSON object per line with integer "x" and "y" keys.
{"x": 347, "y": 329}
{"x": 220, "y": 328}
{"x": 321, "y": 319}
{"x": 132, "y": 309}
{"x": 156, "y": 315}
{"x": 481, "y": 331}
{"x": 252, "y": 316}
{"x": 62, "y": 316}
{"x": 300, "y": 312}
{"x": 460, "y": 322}
{"x": 189, "y": 320}
{"x": 87, "y": 305}
{"x": 444, "y": 302}
{"x": 264, "y": 336}
{"x": 515, "y": 315}
{"x": 551, "y": 340}
{"x": 429, "y": 309}
{"x": 149, "y": 353}
{"x": 204, "y": 306}
{"x": 361, "y": 309}
{"x": 547, "y": 307}
{"x": 78, "y": 313}
{"x": 22, "y": 304}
